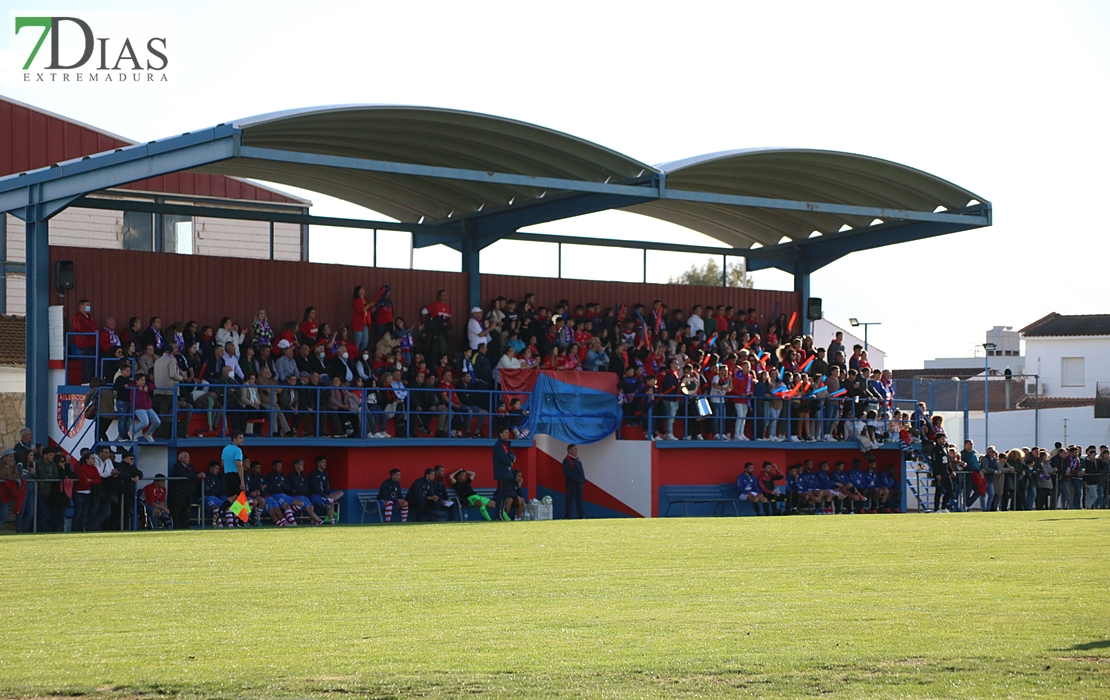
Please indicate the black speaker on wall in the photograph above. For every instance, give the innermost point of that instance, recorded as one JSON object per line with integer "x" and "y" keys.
{"x": 813, "y": 311}
{"x": 64, "y": 279}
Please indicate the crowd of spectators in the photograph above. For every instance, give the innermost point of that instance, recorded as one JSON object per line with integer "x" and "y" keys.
{"x": 1022, "y": 478}
{"x": 718, "y": 372}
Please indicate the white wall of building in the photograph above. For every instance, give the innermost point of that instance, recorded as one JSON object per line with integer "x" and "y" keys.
{"x": 1010, "y": 429}
{"x": 1045, "y": 356}
{"x": 824, "y": 331}
{"x": 246, "y": 239}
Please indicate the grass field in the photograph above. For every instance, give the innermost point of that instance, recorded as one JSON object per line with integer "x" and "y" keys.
{"x": 956, "y": 605}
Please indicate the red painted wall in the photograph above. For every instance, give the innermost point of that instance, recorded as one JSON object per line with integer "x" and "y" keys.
{"x": 125, "y": 283}
{"x": 30, "y": 139}
{"x": 676, "y": 296}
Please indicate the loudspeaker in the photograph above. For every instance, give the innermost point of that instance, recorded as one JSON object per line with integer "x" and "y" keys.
{"x": 813, "y": 311}
{"x": 64, "y": 279}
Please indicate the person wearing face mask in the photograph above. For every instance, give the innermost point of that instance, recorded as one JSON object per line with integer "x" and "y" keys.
{"x": 85, "y": 345}
{"x": 340, "y": 366}
{"x": 317, "y": 363}
{"x": 364, "y": 366}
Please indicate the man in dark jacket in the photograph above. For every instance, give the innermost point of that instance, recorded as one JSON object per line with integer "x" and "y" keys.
{"x": 322, "y": 495}
{"x": 424, "y": 500}
{"x": 184, "y": 487}
{"x": 574, "y": 476}
{"x": 503, "y": 460}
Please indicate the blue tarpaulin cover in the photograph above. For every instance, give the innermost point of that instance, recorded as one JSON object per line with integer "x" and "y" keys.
{"x": 570, "y": 412}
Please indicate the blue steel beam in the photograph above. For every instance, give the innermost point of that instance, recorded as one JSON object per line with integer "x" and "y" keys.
{"x": 822, "y": 250}
{"x": 38, "y": 411}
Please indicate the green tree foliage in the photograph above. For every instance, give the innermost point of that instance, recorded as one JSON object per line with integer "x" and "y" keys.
{"x": 709, "y": 275}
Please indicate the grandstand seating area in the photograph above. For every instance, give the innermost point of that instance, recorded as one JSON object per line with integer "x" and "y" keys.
{"x": 704, "y": 373}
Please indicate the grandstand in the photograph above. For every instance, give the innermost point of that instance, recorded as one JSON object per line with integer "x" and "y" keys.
{"x": 467, "y": 180}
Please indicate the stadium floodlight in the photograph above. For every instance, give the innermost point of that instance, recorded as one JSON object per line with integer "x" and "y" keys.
{"x": 989, "y": 348}
{"x": 857, "y": 323}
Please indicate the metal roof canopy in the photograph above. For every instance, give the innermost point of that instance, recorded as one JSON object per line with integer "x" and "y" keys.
{"x": 467, "y": 180}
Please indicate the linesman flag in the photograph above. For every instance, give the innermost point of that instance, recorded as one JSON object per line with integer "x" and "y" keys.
{"x": 241, "y": 507}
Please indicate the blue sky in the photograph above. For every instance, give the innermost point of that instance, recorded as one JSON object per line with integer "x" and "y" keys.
{"x": 1006, "y": 99}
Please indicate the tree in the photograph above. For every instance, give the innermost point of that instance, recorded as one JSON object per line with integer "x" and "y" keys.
{"x": 709, "y": 275}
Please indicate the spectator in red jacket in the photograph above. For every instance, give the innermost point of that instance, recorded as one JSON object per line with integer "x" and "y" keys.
{"x": 109, "y": 339}
{"x": 85, "y": 345}
{"x": 360, "y": 312}
{"x": 308, "y": 329}
{"x": 154, "y": 500}
{"x": 87, "y": 477}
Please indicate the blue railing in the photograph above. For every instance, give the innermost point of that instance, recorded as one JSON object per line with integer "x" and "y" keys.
{"x": 312, "y": 411}
{"x": 735, "y": 419}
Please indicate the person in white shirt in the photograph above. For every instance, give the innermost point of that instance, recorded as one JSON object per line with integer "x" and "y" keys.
{"x": 695, "y": 321}
{"x": 476, "y": 331}
{"x": 104, "y": 492}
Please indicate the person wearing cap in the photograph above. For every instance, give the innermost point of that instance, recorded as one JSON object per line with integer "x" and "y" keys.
{"x": 574, "y": 480}
{"x": 477, "y": 331}
{"x": 154, "y": 501}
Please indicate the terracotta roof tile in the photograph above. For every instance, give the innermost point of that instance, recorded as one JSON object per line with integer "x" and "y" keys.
{"x": 13, "y": 340}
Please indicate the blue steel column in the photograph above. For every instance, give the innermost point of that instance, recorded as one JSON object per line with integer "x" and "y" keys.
{"x": 38, "y": 328}
{"x": 801, "y": 287}
{"x": 4, "y": 262}
{"x": 471, "y": 259}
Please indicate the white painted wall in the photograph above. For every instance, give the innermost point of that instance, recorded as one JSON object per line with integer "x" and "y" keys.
{"x": 1010, "y": 429}
{"x": 1044, "y": 356}
{"x": 824, "y": 332}
{"x": 621, "y": 468}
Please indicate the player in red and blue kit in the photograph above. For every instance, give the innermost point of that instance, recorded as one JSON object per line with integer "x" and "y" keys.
{"x": 768, "y": 484}
{"x": 299, "y": 488}
{"x": 391, "y": 495}
{"x": 860, "y": 481}
{"x": 322, "y": 495}
{"x": 277, "y": 490}
{"x": 811, "y": 487}
{"x": 748, "y": 486}
{"x": 888, "y": 491}
{"x": 846, "y": 491}
{"x": 826, "y": 488}
{"x": 796, "y": 493}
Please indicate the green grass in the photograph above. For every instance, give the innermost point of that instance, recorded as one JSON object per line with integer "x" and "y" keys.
{"x": 1013, "y": 604}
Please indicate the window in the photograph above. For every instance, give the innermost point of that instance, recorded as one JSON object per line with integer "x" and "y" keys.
{"x": 1071, "y": 371}
{"x": 177, "y": 234}
{"x": 138, "y": 231}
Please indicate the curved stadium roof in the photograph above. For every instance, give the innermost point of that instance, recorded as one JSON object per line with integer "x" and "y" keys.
{"x": 480, "y": 142}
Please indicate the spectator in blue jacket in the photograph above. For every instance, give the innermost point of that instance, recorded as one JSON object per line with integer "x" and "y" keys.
{"x": 971, "y": 493}
{"x": 390, "y": 495}
{"x": 574, "y": 479}
{"x": 322, "y": 495}
{"x": 748, "y": 486}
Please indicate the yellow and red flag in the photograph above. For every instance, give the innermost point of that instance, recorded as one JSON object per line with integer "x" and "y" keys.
{"x": 241, "y": 507}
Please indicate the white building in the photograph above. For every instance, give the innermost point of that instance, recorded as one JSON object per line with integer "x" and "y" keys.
{"x": 824, "y": 332}
{"x": 1070, "y": 354}
{"x": 1006, "y": 355}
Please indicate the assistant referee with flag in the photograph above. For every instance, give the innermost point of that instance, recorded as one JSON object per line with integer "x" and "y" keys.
{"x": 235, "y": 481}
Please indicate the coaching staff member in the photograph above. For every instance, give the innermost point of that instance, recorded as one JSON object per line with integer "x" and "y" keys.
{"x": 575, "y": 477}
